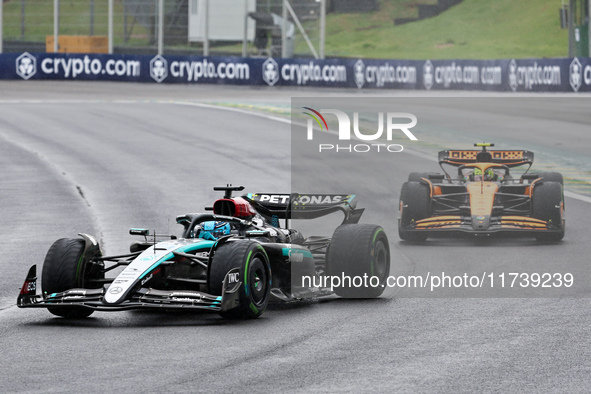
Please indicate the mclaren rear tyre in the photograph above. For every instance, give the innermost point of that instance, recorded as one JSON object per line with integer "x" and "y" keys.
{"x": 548, "y": 205}
{"x": 66, "y": 267}
{"x": 415, "y": 204}
{"x": 360, "y": 252}
{"x": 551, "y": 177}
{"x": 255, "y": 276}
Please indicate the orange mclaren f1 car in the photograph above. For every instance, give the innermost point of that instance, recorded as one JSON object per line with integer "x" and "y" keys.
{"x": 482, "y": 198}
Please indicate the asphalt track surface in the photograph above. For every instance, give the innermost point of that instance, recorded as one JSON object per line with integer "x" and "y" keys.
{"x": 101, "y": 158}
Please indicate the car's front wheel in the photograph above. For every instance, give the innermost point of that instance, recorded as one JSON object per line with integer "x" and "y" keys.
{"x": 417, "y": 176}
{"x": 66, "y": 267}
{"x": 548, "y": 205}
{"x": 255, "y": 277}
{"x": 551, "y": 177}
{"x": 414, "y": 205}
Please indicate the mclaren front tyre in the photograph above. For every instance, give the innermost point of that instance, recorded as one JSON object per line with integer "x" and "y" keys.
{"x": 551, "y": 177}
{"x": 548, "y": 205}
{"x": 417, "y": 176}
{"x": 415, "y": 204}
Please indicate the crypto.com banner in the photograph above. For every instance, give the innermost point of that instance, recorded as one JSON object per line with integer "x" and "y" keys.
{"x": 538, "y": 75}
{"x": 461, "y": 233}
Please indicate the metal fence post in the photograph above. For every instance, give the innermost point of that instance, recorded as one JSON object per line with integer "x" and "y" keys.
{"x": 302, "y": 30}
{"x": 91, "y": 17}
{"x": 110, "y": 27}
{"x": 284, "y": 30}
{"x": 571, "y": 29}
{"x": 56, "y": 24}
{"x": 1, "y": 25}
{"x": 244, "y": 41}
{"x": 22, "y": 19}
{"x": 323, "y": 27}
{"x": 160, "y": 26}
{"x": 206, "y": 30}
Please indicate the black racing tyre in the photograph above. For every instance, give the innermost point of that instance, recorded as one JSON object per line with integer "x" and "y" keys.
{"x": 255, "y": 274}
{"x": 548, "y": 205}
{"x": 66, "y": 268}
{"x": 416, "y": 176}
{"x": 359, "y": 251}
{"x": 415, "y": 204}
{"x": 551, "y": 177}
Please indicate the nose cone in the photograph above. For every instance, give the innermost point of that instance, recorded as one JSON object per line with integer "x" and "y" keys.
{"x": 482, "y": 197}
{"x": 480, "y": 222}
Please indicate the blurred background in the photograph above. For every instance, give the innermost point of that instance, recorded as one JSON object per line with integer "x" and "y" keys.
{"x": 388, "y": 29}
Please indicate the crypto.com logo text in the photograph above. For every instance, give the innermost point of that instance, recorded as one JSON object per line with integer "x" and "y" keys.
{"x": 392, "y": 120}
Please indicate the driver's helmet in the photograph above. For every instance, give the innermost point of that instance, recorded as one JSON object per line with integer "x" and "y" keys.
{"x": 213, "y": 230}
{"x": 477, "y": 174}
{"x": 489, "y": 175}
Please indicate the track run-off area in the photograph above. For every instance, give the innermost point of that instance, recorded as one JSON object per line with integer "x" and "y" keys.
{"x": 101, "y": 158}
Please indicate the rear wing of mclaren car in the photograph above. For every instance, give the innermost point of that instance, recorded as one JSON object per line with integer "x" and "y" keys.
{"x": 510, "y": 158}
{"x": 305, "y": 206}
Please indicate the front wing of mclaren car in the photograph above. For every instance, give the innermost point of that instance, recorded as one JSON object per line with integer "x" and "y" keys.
{"x": 447, "y": 226}
{"x": 136, "y": 299}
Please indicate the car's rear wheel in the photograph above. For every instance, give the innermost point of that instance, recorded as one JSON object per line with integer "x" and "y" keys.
{"x": 66, "y": 267}
{"x": 359, "y": 251}
{"x": 548, "y": 205}
{"x": 255, "y": 277}
{"x": 415, "y": 204}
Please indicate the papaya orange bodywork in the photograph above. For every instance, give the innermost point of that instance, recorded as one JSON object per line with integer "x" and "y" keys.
{"x": 482, "y": 197}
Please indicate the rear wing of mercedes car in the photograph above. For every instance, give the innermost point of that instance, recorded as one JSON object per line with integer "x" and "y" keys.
{"x": 273, "y": 206}
{"x": 305, "y": 206}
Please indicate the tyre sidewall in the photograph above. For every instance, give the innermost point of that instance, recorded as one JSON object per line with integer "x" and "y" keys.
{"x": 256, "y": 259}
{"x": 551, "y": 177}
{"x": 548, "y": 205}
{"x": 248, "y": 256}
{"x": 63, "y": 269}
{"x": 417, "y": 176}
{"x": 354, "y": 252}
{"x": 414, "y": 205}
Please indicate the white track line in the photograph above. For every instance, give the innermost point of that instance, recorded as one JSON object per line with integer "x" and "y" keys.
{"x": 577, "y": 196}
{"x": 239, "y": 110}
